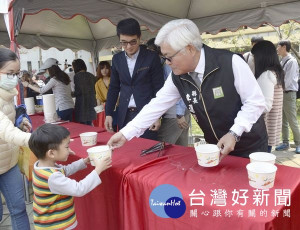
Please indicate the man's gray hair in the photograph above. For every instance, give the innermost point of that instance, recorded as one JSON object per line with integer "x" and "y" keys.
{"x": 178, "y": 34}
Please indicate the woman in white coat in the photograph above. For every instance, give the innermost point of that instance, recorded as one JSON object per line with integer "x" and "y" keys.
{"x": 11, "y": 184}
{"x": 270, "y": 77}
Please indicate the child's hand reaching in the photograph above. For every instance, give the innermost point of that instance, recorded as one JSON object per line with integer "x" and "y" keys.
{"x": 87, "y": 160}
{"x": 101, "y": 164}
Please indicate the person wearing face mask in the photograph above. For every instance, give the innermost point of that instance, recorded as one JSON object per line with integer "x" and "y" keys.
{"x": 60, "y": 84}
{"x": 47, "y": 78}
{"x": 11, "y": 184}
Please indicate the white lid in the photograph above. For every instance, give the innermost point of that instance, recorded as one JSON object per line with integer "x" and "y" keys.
{"x": 261, "y": 167}
{"x": 207, "y": 148}
{"x": 88, "y": 134}
{"x": 99, "y": 148}
{"x": 262, "y": 156}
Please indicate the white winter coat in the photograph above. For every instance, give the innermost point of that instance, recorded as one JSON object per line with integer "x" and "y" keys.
{"x": 10, "y": 136}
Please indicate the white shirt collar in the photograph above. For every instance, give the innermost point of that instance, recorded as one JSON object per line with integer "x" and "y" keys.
{"x": 201, "y": 64}
{"x": 133, "y": 56}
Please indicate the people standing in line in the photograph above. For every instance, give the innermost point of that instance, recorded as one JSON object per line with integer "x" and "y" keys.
{"x": 270, "y": 77}
{"x": 136, "y": 76}
{"x": 11, "y": 137}
{"x": 84, "y": 93}
{"x": 59, "y": 83}
{"x": 249, "y": 56}
{"x": 217, "y": 87}
{"x": 289, "y": 116}
{"x": 175, "y": 123}
{"x": 53, "y": 202}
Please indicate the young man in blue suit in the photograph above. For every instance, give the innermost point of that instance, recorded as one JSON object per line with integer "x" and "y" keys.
{"x": 136, "y": 76}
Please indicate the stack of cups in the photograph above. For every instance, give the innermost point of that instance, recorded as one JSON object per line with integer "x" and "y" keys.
{"x": 49, "y": 108}
{"x": 261, "y": 170}
{"x": 30, "y": 107}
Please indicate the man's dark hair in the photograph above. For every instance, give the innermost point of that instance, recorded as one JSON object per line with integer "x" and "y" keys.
{"x": 78, "y": 65}
{"x": 46, "y": 137}
{"x": 151, "y": 45}
{"x": 285, "y": 43}
{"x": 256, "y": 39}
{"x": 128, "y": 26}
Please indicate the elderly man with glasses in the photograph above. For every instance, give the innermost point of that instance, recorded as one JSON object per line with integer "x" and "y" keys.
{"x": 217, "y": 87}
{"x": 136, "y": 76}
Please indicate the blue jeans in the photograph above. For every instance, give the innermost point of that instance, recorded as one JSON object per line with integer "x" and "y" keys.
{"x": 11, "y": 186}
{"x": 66, "y": 115}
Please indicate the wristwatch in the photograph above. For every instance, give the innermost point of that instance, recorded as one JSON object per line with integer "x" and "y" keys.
{"x": 179, "y": 116}
{"x": 236, "y": 137}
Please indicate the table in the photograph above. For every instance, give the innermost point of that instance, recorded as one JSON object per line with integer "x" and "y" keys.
{"x": 122, "y": 200}
{"x": 74, "y": 128}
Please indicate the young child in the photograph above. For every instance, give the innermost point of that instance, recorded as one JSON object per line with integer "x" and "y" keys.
{"x": 53, "y": 205}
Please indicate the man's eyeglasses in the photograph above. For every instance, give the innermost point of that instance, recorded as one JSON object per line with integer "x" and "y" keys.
{"x": 13, "y": 75}
{"x": 132, "y": 43}
{"x": 171, "y": 57}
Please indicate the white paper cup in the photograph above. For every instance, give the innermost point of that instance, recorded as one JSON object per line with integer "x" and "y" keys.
{"x": 262, "y": 157}
{"x": 261, "y": 175}
{"x": 30, "y": 107}
{"x": 99, "y": 108}
{"x": 50, "y": 117}
{"x": 88, "y": 138}
{"x": 208, "y": 155}
{"x": 99, "y": 152}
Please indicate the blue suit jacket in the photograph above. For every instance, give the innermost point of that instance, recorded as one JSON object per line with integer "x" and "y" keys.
{"x": 146, "y": 80}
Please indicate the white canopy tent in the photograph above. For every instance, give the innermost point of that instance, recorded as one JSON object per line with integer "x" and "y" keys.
{"x": 90, "y": 24}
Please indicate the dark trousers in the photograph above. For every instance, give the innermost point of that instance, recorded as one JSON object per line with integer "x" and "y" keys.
{"x": 66, "y": 115}
{"x": 86, "y": 123}
{"x": 148, "y": 134}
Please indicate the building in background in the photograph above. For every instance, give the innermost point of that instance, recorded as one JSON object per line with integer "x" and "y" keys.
{"x": 31, "y": 58}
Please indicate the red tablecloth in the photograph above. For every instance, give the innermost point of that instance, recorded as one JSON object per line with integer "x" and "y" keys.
{"x": 122, "y": 200}
{"x": 74, "y": 128}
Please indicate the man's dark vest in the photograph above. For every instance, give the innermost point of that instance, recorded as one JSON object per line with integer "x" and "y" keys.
{"x": 218, "y": 99}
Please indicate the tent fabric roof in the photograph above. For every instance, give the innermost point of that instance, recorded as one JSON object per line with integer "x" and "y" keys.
{"x": 91, "y": 24}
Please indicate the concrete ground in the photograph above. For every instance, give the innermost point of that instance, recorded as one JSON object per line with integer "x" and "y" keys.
{"x": 287, "y": 158}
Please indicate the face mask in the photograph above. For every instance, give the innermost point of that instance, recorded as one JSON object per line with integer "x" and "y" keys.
{"x": 8, "y": 84}
{"x": 46, "y": 75}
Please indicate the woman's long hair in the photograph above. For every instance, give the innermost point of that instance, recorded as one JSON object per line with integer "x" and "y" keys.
{"x": 266, "y": 58}
{"x": 79, "y": 65}
{"x": 101, "y": 65}
{"x": 59, "y": 75}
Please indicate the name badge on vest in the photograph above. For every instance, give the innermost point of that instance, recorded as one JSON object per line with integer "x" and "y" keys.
{"x": 218, "y": 92}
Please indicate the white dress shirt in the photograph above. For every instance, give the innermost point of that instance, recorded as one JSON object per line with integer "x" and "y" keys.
{"x": 131, "y": 64}
{"x": 246, "y": 86}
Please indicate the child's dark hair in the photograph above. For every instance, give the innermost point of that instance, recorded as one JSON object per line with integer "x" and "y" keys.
{"x": 47, "y": 137}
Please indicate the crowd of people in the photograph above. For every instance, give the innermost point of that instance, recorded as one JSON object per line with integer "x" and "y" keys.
{"x": 242, "y": 103}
